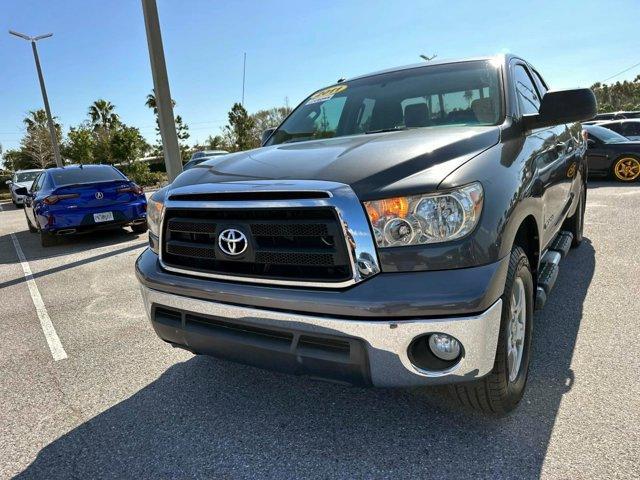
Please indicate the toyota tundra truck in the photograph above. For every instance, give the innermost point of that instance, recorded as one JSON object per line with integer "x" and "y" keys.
{"x": 397, "y": 229}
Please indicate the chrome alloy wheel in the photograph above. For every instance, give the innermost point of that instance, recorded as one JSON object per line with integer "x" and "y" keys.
{"x": 517, "y": 324}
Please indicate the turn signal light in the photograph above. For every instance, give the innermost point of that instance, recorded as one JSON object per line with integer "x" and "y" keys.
{"x": 389, "y": 207}
{"x": 51, "y": 199}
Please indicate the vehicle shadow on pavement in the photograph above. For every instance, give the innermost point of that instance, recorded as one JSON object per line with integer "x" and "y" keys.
{"x": 30, "y": 245}
{"x": 206, "y": 418}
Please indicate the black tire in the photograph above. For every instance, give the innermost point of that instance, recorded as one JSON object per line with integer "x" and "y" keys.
{"x": 47, "y": 239}
{"x": 575, "y": 223}
{"x": 141, "y": 228}
{"x": 32, "y": 229}
{"x": 496, "y": 393}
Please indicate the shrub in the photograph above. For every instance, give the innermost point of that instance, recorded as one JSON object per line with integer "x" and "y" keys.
{"x": 139, "y": 172}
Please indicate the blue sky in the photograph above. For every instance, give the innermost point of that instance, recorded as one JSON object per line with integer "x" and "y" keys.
{"x": 99, "y": 50}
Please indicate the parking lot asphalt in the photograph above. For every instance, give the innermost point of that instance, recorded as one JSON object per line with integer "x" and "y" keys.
{"x": 123, "y": 404}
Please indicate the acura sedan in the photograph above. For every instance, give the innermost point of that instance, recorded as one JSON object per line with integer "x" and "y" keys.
{"x": 80, "y": 198}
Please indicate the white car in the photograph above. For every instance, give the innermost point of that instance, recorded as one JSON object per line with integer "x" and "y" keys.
{"x": 22, "y": 178}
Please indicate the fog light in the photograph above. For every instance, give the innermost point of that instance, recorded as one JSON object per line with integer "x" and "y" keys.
{"x": 444, "y": 346}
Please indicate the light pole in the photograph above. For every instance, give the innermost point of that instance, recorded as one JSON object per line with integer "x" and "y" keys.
{"x": 166, "y": 121}
{"x": 52, "y": 128}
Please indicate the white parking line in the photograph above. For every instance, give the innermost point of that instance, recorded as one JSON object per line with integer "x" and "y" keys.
{"x": 50, "y": 334}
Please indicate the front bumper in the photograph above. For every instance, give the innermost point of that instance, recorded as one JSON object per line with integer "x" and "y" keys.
{"x": 371, "y": 352}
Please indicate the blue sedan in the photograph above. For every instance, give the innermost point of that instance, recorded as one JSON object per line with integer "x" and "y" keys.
{"x": 80, "y": 198}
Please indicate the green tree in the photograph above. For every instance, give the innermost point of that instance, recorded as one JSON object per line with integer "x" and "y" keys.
{"x": 127, "y": 144}
{"x": 36, "y": 142}
{"x": 264, "y": 119}
{"x": 104, "y": 121}
{"x": 182, "y": 129}
{"x": 239, "y": 132}
{"x": 80, "y": 144}
{"x": 16, "y": 159}
{"x": 618, "y": 96}
{"x": 102, "y": 115}
{"x": 215, "y": 143}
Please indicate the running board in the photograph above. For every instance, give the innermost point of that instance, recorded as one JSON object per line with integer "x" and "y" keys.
{"x": 549, "y": 266}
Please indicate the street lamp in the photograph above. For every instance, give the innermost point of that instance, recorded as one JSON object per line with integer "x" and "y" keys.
{"x": 52, "y": 130}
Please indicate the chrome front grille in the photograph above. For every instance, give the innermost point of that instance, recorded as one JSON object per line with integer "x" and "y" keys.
{"x": 312, "y": 234}
{"x": 299, "y": 244}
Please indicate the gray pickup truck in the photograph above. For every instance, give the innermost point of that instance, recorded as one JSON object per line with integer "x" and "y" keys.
{"x": 397, "y": 229}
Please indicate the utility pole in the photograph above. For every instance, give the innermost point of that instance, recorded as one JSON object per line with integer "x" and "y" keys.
{"x": 244, "y": 72}
{"x": 166, "y": 120}
{"x": 52, "y": 128}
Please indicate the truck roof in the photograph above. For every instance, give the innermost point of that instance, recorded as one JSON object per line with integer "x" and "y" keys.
{"x": 501, "y": 58}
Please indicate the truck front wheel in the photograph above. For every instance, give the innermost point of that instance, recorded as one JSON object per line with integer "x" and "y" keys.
{"x": 500, "y": 391}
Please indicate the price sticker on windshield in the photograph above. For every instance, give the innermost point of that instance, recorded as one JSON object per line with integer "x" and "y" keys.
{"x": 326, "y": 94}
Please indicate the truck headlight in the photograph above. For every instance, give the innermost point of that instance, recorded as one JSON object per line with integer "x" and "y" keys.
{"x": 155, "y": 206}
{"x": 424, "y": 219}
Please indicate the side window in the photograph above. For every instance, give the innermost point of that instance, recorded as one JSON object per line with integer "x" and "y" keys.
{"x": 616, "y": 127}
{"x": 528, "y": 99}
{"x": 631, "y": 128}
{"x": 37, "y": 183}
{"x": 542, "y": 86}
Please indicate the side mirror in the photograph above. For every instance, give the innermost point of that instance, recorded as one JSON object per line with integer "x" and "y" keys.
{"x": 266, "y": 134}
{"x": 563, "y": 106}
{"x": 22, "y": 191}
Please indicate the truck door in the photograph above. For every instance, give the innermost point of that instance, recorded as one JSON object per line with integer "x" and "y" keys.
{"x": 549, "y": 151}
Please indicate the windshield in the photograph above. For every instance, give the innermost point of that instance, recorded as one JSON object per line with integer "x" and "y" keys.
{"x": 605, "y": 135}
{"x": 465, "y": 93}
{"x": 26, "y": 176}
{"x": 85, "y": 175}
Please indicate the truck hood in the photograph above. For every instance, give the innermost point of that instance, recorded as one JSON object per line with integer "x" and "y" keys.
{"x": 374, "y": 165}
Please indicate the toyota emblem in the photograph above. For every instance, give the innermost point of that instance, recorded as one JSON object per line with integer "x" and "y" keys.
{"x": 99, "y": 195}
{"x": 232, "y": 242}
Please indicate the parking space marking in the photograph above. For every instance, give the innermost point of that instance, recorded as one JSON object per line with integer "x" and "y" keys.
{"x": 50, "y": 334}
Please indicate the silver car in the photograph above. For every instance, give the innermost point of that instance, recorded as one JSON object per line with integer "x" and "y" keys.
{"x": 22, "y": 178}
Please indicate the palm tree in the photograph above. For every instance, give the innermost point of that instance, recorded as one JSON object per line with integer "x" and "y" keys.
{"x": 151, "y": 102}
{"x": 37, "y": 119}
{"x": 102, "y": 115}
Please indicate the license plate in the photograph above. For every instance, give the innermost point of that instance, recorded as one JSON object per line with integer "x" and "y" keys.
{"x": 103, "y": 217}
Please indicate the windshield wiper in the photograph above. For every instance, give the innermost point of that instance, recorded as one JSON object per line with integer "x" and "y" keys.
{"x": 392, "y": 129}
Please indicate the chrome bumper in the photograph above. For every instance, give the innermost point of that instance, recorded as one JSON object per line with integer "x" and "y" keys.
{"x": 386, "y": 341}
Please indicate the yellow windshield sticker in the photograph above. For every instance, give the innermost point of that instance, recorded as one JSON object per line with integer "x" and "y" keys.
{"x": 326, "y": 94}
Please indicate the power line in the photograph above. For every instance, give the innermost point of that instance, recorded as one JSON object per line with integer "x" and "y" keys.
{"x": 623, "y": 71}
